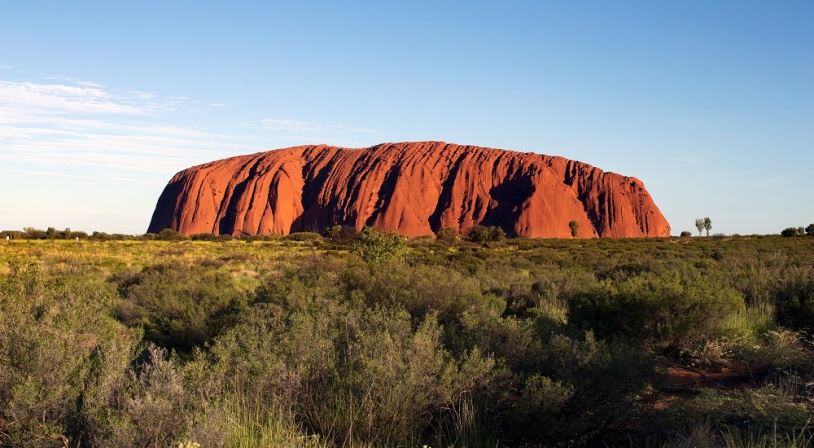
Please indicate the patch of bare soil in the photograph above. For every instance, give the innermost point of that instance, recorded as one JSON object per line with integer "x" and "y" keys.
{"x": 677, "y": 378}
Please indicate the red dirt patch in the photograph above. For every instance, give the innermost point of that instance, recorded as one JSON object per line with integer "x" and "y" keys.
{"x": 676, "y": 378}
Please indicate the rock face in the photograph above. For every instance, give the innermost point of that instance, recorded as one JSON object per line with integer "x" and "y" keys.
{"x": 412, "y": 188}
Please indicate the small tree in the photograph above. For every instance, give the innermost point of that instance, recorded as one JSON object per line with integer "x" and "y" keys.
{"x": 375, "y": 245}
{"x": 707, "y": 224}
{"x": 481, "y": 234}
{"x": 789, "y": 232}
{"x": 447, "y": 234}
{"x": 686, "y": 234}
{"x": 574, "y": 228}
{"x": 810, "y": 230}
{"x": 170, "y": 235}
{"x": 699, "y": 224}
{"x": 340, "y": 234}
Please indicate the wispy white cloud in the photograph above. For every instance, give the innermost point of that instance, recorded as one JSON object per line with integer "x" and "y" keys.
{"x": 107, "y": 178}
{"x": 68, "y": 142}
{"x": 341, "y": 128}
{"x": 79, "y": 123}
{"x": 62, "y": 98}
{"x": 275, "y": 124}
{"x": 73, "y": 123}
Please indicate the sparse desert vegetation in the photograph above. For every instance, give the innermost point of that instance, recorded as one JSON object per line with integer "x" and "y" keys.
{"x": 371, "y": 340}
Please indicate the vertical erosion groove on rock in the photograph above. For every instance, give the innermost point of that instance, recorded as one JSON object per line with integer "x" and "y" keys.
{"x": 412, "y": 188}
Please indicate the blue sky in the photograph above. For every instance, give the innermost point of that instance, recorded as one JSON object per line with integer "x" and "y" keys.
{"x": 711, "y": 104}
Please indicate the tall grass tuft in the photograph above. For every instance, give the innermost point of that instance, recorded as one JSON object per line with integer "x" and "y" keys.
{"x": 250, "y": 424}
{"x": 751, "y": 439}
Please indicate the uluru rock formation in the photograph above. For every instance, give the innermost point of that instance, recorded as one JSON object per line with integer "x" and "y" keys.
{"x": 412, "y": 188}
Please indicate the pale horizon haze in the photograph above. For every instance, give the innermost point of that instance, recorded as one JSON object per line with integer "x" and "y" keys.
{"x": 710, "y": 104}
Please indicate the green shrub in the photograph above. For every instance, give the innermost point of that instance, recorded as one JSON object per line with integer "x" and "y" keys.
{"x": 778, "y": 351}
{"x": 353, "y": 375}
{"x": 170, "y": 235}
{"x": 180, "y": 307}
{"x": 569, "y": 390}
{"x": 62, "y": 358}
{"x": 419, "y": 289}
{"x": 793, "y": 293}
{"x": 669, "y": 313}
{"x": 304, "y": 236}
{"x": 157, "y": 409}
{"x": 481, "y": 234}
{"x": 447, "y": 234}
{"x": 199, "y": 237}
{"x": 539, "y": 411}
{"x": 395, "y": 381}
{"x": 791, "y": 231}
{"x": 768, "y": 409}
{"x": 375, "y": 245}
{"x": 340, "y": 234}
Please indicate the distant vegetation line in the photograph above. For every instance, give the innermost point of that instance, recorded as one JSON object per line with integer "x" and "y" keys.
{"x": 477, "y": 233}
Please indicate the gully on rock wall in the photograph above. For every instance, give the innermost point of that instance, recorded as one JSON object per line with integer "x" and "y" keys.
{"x": 412, "y": 188}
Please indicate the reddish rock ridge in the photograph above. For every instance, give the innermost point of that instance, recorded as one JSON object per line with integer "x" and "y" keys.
{"x": 412, "y": 188}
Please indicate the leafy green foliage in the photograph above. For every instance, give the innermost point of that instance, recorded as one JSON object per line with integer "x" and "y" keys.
{"x": 170, "y": 235}
{"x": 179, "y": 306}
{"x": 481, "y": 234}
{"x": 669, "y": 313}
{"x": 419, "y": 290}
{"x": 60, "y": 357}
{"x": 447, "y": 234}
{"x": 792, "y": 231}
{"x": 794, "y": 297}
{"x": 297, "y": 342}
{"x": 369, "y": 374}
{"x": 340, "y": 234}
{"x": 699, "y": 224}
{"x": 376, "y": 246}
{"x": 574, "y": 226}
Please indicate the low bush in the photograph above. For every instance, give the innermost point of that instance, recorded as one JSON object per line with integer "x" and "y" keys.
{"x": 793, "y": 295}
{"x": 419, "y": 289}
{"x": 375, "y": 246}
{"x": 62, "y": 359}
{"x": 179, "y": 306}
{"x": 304, "y": 236}
{"x": 669, "y": 313}
{"x": 348, "y": 373}
{"x": 340, "y": 234}
{"x": 481, "y": 234}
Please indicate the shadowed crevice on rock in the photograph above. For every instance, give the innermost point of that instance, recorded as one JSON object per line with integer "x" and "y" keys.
{"x": 165, "y": 210}
{"x": 228, "y": 222}
{"x": 510, "y": 197}
{"x": 445, "y": 200}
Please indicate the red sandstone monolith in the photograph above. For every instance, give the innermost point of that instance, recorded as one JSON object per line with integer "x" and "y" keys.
{"x": 412, "y": 188}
